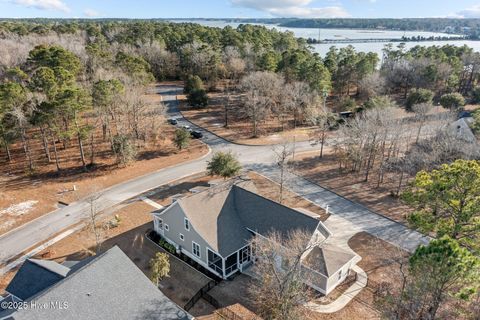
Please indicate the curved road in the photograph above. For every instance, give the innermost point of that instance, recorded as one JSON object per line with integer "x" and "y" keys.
{"x": 347, "y": 217}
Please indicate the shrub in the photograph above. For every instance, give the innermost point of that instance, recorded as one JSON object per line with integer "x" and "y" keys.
{"x": 418, "y": 96}
{"x": 181, "y": 139}
{"x": 197, "y": 98}
{"x": 348, "y": 104}
{"x": 193, "y": 83}
{"x": 224, "y": 164}
{"x": 167, "y": 246}
{"x": 452, "y": 101}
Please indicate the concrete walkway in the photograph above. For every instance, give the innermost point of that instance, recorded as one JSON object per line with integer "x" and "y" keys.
{"x": 152, "y": 203}
{"x": 345, "y": 298}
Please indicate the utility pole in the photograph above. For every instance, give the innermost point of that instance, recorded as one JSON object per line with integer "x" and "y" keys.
{"x": 325, "y": 95}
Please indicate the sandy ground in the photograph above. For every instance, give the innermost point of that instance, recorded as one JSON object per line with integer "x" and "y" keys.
{"x": 352, "y": 186}
{"x": 44, "y": 194}
{"x": 271, "y": 190}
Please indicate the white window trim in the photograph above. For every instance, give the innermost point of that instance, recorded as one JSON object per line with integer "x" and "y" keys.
{"x": 167, "y": 228}
{"x": 160, "y": 223}
{"x": 181, "y": 236}
{"x": 199, "y": 251}
{"x": 185, "y": 223}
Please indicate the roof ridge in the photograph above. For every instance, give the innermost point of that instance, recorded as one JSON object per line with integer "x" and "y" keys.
{"x": 38, "y": 263}
{"x": 324, "y": 262}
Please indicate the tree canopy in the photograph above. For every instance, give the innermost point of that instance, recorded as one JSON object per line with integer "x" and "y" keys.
{"x": 447, "y": 202}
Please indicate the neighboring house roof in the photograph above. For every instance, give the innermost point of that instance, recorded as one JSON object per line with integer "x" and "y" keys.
{"x": 35, "y": 276}
{"x": 327, "y": 259}
{"x": 461, "y": 128}
{"x": 223, "y": 214}
{"x": 109, "y": 286}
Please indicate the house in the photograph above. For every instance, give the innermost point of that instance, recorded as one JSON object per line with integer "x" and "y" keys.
{"x": 106, "y": 286}
{"x": 461, "y": 129}
{"x": 214, "y": 228}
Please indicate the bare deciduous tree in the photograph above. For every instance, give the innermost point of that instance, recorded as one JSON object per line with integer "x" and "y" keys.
{"x": 261, "y": 94}
{"x": 421, "y": 111}
{"x": 282, "y": 155}
{"x": 94, "y": 213}
{"x": 281, "y": 290}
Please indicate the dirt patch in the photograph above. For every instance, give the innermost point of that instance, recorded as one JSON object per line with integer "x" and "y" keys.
{"x": 325, "y": 171}
{"x": 234, "y": 291}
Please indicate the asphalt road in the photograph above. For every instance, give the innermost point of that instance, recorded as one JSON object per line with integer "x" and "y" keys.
{"x": 353, "y": 216}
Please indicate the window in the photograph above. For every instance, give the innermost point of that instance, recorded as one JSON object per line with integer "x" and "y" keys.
{"x": 160, "y": 224}
{"x": 187, "y": 224}
{"x": 182, "y": 237}
{"x": 340, "y": 275}
{"x": 196, "y": 249}
{"x": 166, "y": 227}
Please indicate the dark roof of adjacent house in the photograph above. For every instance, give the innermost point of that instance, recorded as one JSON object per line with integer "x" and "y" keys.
{"x": 327, "y": 259}
{"x": 35, "y": 276}
{"x": 107, "y": 286}
{"x": 224, "y": 214}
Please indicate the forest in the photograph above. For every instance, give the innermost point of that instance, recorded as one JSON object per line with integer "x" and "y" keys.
{"x": 63, "y": 82}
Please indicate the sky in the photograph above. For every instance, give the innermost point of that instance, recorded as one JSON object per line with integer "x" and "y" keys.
{"x": 239, "y": 8}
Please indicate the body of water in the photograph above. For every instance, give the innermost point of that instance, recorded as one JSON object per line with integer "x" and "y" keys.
{"x": 376, "y": 47}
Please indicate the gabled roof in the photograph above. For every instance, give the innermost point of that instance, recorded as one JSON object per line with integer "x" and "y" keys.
{"x": 224, "y": 214}
{"x": 109, "y": 286}
{"x": 327, "y": 259}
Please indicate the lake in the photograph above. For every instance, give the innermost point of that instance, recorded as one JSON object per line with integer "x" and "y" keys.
{"x": 354, "y": 34}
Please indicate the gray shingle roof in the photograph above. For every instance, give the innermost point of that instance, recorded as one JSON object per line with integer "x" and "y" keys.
{"x": 109, "y": 286}
{"x": 35, "y": 276}
{"x": 327, "y": 259}
{"x": 223, "y": 214}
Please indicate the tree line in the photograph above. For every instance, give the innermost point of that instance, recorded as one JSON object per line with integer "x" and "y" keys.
{"x": 459, "y": 26}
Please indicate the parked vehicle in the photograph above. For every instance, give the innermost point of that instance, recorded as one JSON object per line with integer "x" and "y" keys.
{"x": 196, "y": 134}
{"x": 172, "y": 121}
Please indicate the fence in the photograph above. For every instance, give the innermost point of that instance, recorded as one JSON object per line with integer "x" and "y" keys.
{"x": 203, "y": 293}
